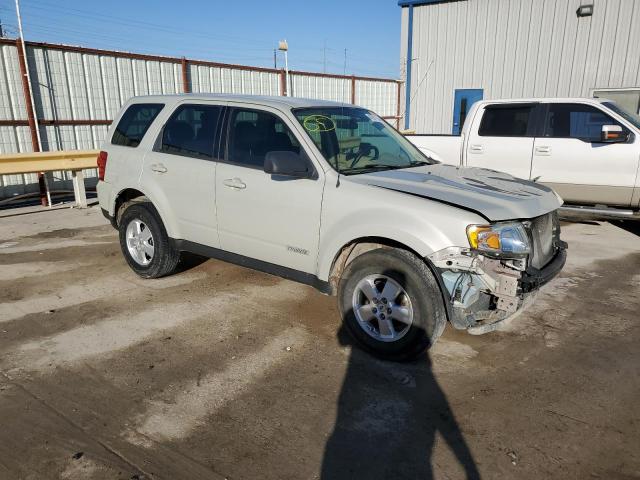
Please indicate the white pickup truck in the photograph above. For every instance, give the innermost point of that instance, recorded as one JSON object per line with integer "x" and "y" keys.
{"x": 587, "y": 150}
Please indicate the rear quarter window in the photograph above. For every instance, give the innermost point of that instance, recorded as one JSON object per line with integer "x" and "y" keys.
{"x": 134, "y": 123}
{"x": 506, "y": 121}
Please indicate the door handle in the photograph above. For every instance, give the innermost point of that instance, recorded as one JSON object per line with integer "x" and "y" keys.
{"x": 159, "y": 168}
{"x": 476, "y": 148}
{"x": 234, "y": 183}
{"x": 543, "y": 150}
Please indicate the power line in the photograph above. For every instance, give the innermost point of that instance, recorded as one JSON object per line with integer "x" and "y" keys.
{"x": 71, "y": 25}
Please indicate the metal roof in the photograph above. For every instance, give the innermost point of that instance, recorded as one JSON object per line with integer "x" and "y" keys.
{"x": 545, "y": 100}
{"x": 268, "y": 100}
{"x": 417, "y": 3}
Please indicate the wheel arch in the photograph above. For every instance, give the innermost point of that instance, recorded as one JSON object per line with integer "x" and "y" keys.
{"x": 358, "y": 246}
{"x": 129, "y": 195}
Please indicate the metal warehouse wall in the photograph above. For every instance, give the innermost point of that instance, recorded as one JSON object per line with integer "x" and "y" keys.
{"x": 516, "y": 48}
{"x": 77, "y": 91}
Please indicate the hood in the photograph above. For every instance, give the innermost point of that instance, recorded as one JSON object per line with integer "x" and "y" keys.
{"x": 494, "y": 195}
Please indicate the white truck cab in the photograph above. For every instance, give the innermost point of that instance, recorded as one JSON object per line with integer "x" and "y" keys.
{"x": 331, "y": 195}
{"x": 586, "y": 149}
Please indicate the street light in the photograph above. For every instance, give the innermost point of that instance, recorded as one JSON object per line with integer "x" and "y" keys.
{"x": 284, "y": 47}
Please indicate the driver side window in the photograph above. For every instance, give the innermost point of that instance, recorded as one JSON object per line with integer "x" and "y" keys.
{"x": 583, "y": 122}
{"x": 254, "y": 133}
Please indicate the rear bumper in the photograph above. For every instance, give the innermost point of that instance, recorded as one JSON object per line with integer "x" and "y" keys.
{"x": 104, "y": 191}
{"x": 111, "y": 219}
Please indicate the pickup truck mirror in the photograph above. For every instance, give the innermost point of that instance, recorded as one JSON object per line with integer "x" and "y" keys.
{"x": 286, "y": 164}
{"x": 613, "y": 134}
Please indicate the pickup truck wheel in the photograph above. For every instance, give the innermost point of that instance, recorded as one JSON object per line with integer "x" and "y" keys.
{"x": 145, "y": 243}
{"x": 391, "y": 303}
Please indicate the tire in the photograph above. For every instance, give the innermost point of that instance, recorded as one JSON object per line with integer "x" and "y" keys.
{"x": 381, "y": 325}
{"x": 152, "y": 258}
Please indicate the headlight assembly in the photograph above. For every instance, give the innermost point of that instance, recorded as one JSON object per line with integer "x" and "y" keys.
{"x": 500, "y": 239}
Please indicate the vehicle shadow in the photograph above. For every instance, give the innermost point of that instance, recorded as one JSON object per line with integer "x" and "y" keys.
{"x": 632, "y": 226}
{"x": 387, "y": 420}
{"x": 188, "y": 261}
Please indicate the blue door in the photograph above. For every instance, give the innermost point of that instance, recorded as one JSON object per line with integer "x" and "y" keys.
{"x": 464, "y": 99}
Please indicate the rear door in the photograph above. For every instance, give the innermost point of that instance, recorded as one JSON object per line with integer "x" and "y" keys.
{"x": 570, "y": 158}
{"x": 503, "y": 139}
{"x": 180, "y": 171}
{"x": 266, "y": 217}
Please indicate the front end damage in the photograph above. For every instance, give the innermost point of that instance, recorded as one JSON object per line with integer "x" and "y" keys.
{"x": 482, "y": 291}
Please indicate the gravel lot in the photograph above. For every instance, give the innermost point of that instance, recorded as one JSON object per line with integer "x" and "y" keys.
{"x": 221, "y": 372}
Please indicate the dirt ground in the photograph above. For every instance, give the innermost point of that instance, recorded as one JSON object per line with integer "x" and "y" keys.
{"x": 221, "y": 372}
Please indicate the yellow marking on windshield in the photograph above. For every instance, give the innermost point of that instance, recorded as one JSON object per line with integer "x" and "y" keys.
{"x": 318, "y": 123}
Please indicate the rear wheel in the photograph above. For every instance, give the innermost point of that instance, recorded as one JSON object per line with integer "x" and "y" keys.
{"x": 391, "y": 303}
{"x": 145, "y": 243}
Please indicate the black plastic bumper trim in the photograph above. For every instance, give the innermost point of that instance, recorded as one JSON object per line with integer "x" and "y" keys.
{"x": 534, "y": 278}
{"x": 111, "y": 219}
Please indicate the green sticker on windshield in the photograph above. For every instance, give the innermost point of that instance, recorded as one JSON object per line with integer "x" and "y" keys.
{"x": 318, "y": 123}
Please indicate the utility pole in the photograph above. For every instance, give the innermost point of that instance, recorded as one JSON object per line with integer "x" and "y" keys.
{"x": 1, "y": 31}
{"x": 345, "y": 62}
{"x": 275, "y": 59}
{"x": 31, "y": 107}
{"x": 324, "y": 57}
{"x": 284, "y": 47}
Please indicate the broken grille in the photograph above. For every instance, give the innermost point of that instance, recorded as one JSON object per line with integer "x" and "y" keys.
{"x": 544, "y": 231}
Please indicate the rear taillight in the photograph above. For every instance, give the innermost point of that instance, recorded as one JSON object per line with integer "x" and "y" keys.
{"x": 102, "y": 165}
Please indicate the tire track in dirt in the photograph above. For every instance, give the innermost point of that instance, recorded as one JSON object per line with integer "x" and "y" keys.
{"x": 87, "y": 291}
{"x": 191, "y": 403}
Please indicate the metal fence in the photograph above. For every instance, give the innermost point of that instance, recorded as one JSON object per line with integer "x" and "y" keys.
{"x": 77, "y": 91}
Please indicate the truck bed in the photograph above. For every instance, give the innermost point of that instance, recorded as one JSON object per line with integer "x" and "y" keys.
{"x": 444, "y": 148}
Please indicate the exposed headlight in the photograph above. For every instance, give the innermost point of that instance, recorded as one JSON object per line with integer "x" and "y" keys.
{"x": 503, "y": 239}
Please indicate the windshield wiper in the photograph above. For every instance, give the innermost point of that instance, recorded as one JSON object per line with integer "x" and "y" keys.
{"x": 373, "y": 168}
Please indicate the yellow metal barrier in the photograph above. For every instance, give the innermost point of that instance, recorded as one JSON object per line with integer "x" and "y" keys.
{"x": 13, "y": 163}
{"x": 73, "y": 160}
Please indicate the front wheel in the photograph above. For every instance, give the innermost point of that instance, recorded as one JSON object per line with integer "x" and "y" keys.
{"x": 391, "y": 303}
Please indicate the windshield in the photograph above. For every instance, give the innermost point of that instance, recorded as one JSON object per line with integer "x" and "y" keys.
{"x": 628, "y": 116}
{"x": 354, "y": 140}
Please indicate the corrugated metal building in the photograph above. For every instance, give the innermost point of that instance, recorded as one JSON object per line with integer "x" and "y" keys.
{"x": 455, "y": 52}
{"x": 77, "y": 91}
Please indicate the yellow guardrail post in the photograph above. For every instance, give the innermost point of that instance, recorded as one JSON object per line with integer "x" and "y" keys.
{"x": 64, "y": 160}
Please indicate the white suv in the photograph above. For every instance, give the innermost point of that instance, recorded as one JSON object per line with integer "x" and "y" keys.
{"x": 330, "y": 195}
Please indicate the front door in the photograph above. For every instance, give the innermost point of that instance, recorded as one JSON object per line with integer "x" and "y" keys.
{"x": 266, "y": 217}
{"x": 180, "y": 171}
{"x": 570, "y": 158}
{"x": 504, "y": 139}
{"x": 462, "y": 103}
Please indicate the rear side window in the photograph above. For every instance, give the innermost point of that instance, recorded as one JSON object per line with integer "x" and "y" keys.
{"x": 191, "y": 131}
{"x": 253, "y": 133}
{"x": 134, "y": 124}
{"x": 573, "y": 120}
{"x": 506, "y": 121}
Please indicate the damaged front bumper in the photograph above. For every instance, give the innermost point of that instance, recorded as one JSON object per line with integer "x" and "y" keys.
{"x": 482, "y": 292}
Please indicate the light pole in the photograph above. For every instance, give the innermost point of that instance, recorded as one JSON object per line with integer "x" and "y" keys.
{"x": 283, "y": 47}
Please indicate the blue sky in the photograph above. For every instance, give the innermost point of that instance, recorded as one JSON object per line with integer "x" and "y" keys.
{"x": 244, "y": 32}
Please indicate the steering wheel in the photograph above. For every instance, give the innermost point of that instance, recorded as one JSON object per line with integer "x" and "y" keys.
{"x": 365, "y": 150}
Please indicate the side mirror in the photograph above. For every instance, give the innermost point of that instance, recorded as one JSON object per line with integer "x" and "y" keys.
{"x": 613, "y": 134}
{"x": 286, "y": 164}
